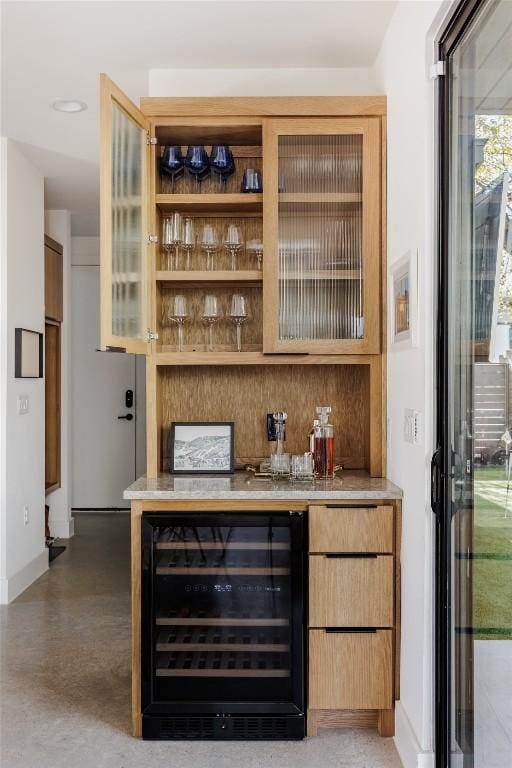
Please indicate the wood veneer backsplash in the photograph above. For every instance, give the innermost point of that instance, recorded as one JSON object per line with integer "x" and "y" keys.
{"x": 245, "y": 394}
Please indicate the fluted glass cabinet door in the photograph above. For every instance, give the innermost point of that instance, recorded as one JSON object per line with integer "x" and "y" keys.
{"x": 124, "y": 227}
{"x": 322, "y": 235}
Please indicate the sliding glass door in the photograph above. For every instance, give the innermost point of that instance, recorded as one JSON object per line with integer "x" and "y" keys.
{"x": 472, "y": 471}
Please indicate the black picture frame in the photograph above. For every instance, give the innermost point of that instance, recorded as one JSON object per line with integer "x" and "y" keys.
{"x": 195, "y": 426}
{"x": 23, "y": 367}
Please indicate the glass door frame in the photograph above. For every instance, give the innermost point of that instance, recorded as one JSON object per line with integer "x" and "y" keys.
{"x": 111, "y": 94}
{"x": 441, "y": 468}
{"x": 369, "y": 128}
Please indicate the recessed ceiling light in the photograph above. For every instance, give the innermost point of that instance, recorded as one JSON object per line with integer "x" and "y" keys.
{"x": 68, "y": 105}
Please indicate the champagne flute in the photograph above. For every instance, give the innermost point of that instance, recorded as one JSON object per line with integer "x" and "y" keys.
{"x": 179, "y": 314}
{"x": 211, "y": 314}
{"x": 189, "y": 239}
{"x": 238, "y": 315}
{"x": 233, "y": 243}
{"x": 172, "y": 237}
{"x": 209, "y": 244}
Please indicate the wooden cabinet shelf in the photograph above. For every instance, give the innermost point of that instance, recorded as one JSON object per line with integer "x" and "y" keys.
{"x": 320, "y": 197}
{"x": 213, "y": 276}
{"x": 200, "y": 203}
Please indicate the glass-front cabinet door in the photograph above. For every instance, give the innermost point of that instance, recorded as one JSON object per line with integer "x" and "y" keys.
{"x": 124, "y": 222}
{"x": 322, "y": 235}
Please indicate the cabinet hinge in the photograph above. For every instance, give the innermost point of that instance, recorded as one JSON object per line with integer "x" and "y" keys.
{"x": 437, "y": 70}
{"x": 152, "y": 238}
{"x": 151, "y": 335}
{"x": 151, "y": 139}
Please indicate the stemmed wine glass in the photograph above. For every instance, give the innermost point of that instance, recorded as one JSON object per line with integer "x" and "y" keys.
{"x": 179, "y": 314}
{"x": 172, "y": 163}
{"x": 211, "y": 314}
{"x": 172, "y": 236}
{"x": 197, "y": 163}
{"x": 222, "y": 163}
{"x": 256, "y": 247}
{"x": 209, "y": 243}
{"x": 238, "y": 315}
{"x": 233, "y": 243}
{"x": 189, "y": 239}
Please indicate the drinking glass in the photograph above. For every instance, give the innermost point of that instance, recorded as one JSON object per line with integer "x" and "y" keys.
{"x": 233, "y": 243}
{"x": 211, "y": 314}
{"x": 280, "y": 465}
{"x": 189, "y": 239}
{"x": 172, "y": 236}
{"x": 238, "y": 315}
{"x": 209, "y": 243}
{"x": 172, "y": 163}
{"x": 251, "y": 181}
{"x": 222, "y": 163}
{"x": 302, "y": 466}
{"x": 179, "y": 314}
{"x": 256, "y": 247}
{"x": 197, "y": 163}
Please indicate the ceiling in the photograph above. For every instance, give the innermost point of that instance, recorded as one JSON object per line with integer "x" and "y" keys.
{"x": 57, "y": 49}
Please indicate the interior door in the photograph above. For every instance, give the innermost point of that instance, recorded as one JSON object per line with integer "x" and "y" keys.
{"x": 125, "y": 268}
{"x": 321, "y": 230}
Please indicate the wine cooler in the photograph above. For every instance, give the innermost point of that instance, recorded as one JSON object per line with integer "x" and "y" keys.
{"x": 223, "y": 625}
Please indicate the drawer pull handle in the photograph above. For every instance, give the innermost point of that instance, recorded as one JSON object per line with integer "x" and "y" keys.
{"x": 350, "y": 630}
{"x": 334, "y": 556}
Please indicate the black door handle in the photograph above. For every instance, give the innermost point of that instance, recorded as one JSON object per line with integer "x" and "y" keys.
{"x": 128, "y": 417}
{"x": 435, "y": 484}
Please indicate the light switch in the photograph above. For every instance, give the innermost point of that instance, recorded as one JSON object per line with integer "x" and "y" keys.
{"x": 23, "y": 404}
{"x": 412, "y": 426}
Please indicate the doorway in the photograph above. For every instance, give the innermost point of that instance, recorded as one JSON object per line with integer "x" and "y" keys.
{"x": 472, "y": 469}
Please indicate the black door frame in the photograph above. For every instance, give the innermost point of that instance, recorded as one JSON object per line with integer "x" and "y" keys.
{"x": 449, "y": 37}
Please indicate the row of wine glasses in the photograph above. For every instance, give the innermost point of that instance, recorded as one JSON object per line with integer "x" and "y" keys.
{"x": 211, "y": 313}
{"x": 178, "y": 232}
{"x": 199, "y": 165}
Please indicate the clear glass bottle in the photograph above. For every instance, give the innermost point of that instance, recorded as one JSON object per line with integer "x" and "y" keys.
{"x": 311, "y": 437}
{"x": 279, "y": 460}
{"x": 323, "y": 452}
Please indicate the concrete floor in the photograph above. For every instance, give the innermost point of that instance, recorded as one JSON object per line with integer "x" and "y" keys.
{"x": 65, "y": 677}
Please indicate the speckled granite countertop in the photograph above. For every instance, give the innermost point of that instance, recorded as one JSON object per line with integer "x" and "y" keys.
{"x": 243, "y": 485}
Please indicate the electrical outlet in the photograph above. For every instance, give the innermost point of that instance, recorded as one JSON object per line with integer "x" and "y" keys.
{"x": 412, "y": 426}
{"x": 25, "y": 515}
{"x": 23, "y": 404}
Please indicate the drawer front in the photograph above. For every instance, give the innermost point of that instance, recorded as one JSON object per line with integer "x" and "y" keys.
{"x": 351, "y": 591}
{"x": 351, "y": 529}
{"x": 350, "y": 670}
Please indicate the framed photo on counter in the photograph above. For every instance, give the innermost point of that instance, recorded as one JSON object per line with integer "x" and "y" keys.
{"x": 202, "y": 448}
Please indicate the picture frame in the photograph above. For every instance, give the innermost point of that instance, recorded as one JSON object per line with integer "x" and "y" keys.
{"x": 202, "y": 448}
{"x": 403, "y": 301}
{"x": 28, "y": 354}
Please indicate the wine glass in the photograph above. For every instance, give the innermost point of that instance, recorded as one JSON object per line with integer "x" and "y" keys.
{"x": 238, "y": 315}
{"x": 233, "y": 243}
{"x": 197, "y": 163}
{"x": 256, "y": 247}
{"x": 209, "y": 243}
{"x": 211, "y": 314}
{"x": 179, "y": 314}
{"x": 172, "y": 236}
{"x": 172, "y": 163}
{"x": 189, "y": 239}
{"x": 251, "y": 181}
{"x": 222, "y": 163}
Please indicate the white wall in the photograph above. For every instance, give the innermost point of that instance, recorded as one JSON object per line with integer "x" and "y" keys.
{"x": 263, "y": 82}
{"x": 58, "y": 226}
{"x": 403, "y": 66}
{"x": 23, "y": 553}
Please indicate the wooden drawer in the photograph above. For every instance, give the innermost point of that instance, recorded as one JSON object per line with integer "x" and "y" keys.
{"x": 350, "y": 670}
{"x": 351, "y": 529}
{"x": 351, "y": 591}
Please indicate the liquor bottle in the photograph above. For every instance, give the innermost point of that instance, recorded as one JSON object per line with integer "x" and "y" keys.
{"x": 323, "y": 453}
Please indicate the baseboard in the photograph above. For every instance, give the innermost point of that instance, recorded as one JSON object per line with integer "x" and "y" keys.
{"x": 15, "y": 585}
{"x": 62, "y": 529}
{"x": 411, "y": 754}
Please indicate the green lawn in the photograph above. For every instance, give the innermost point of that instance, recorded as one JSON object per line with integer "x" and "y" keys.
{"x": 492, "y": 563}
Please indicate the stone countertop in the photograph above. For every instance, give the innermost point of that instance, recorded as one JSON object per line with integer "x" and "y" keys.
{"x": 244, "y": 485}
